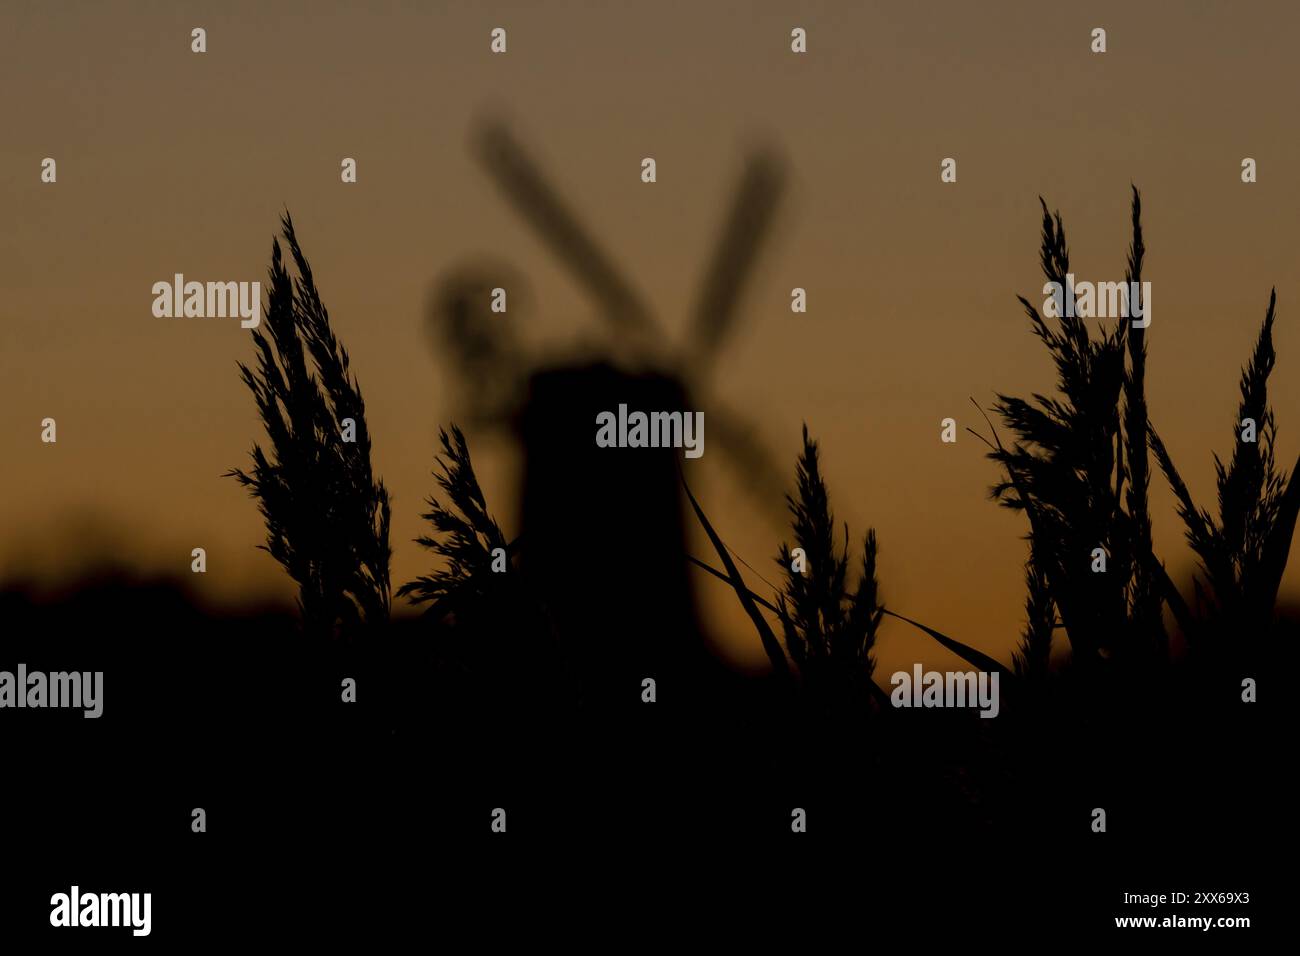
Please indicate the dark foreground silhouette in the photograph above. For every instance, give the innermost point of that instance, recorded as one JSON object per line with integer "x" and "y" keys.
{"x": 326, "y": 817}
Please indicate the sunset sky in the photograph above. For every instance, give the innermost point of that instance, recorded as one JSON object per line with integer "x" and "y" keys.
{"x": 175, "y": 162}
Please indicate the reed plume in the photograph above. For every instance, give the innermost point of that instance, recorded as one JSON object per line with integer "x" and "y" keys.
{"x": 327, "y": 515}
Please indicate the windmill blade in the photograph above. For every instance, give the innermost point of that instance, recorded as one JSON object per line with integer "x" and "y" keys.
{"x": 477, "y": 345}
{"x": 753, "y": 465}
{"x": 521, "y": 179}
{"x": 752, "y": 211}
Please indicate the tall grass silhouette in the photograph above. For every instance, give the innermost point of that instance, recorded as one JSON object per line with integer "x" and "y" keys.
{"x": 1243, "y": 554}
{"x": 1066, "y": 470}
{"x": 465, "y": 534}
{"x": 829, "y": 632}
{"x": 327, "y": 515}
{"x": 1145, "y": 603}
{"x": 1032, "y": 658}
{"x": 1078, "y": 467}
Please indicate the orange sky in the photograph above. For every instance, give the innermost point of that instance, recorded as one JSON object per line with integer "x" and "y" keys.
{"x": 172, "y": 162}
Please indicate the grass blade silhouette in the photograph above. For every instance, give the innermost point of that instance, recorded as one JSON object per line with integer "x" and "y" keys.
{"x": 770, "y": 643}
{"x": 1144, "y": 595}
{"x": 967, "y": 653}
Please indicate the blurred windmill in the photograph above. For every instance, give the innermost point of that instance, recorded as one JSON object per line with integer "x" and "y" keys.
{"x": 603, "y": 531}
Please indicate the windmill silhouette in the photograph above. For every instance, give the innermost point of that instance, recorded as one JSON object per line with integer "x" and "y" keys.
{"x": 603, "y": 529}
